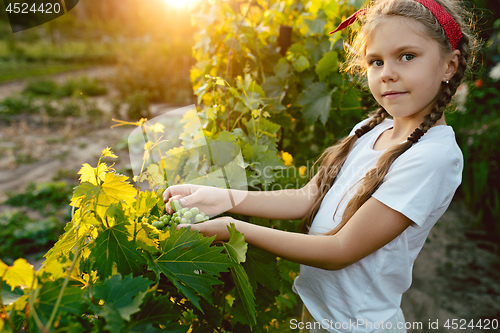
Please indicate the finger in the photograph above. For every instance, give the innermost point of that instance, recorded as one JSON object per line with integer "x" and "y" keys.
{"x": 190, "y": 200}
{"x": 168, "y": 206}
{"x": 173, "y": 191}
{"x": 179, "y": 226}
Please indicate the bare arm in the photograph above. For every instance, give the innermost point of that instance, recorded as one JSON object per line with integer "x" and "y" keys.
{"x": 283, "y": 204}
{"x": 371, "y": 227}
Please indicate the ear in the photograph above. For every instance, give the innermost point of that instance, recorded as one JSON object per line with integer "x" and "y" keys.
{"x": 451, "y": 65}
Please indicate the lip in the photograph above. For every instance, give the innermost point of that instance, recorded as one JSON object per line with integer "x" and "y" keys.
{"x": 393, "y": 94}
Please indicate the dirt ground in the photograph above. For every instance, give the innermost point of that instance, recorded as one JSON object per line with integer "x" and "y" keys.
{"x": 455, "y": 277}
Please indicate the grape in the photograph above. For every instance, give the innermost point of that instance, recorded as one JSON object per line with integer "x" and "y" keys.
{"x": 176, "y": 206}
{"x": 156, "y": 224}
{"x": 184, "y": 215}
{"x": 161, "y": 224}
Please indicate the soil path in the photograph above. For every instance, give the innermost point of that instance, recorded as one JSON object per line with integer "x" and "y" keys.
{"x": 9, "y": 88}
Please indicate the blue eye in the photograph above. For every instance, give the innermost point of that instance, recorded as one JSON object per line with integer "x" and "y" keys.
{"x": 408, "y": 57}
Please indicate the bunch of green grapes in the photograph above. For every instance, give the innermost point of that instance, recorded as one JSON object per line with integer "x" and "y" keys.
{"x": 180, "y": 216}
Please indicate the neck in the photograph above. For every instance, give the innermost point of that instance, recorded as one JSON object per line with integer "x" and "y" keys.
{"x": 403, "y": 127}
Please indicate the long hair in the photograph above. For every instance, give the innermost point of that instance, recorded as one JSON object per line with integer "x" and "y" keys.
{"x": 333, "y": 158}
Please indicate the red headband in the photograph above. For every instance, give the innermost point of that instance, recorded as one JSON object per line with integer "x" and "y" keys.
{"x": 450, "y": 26}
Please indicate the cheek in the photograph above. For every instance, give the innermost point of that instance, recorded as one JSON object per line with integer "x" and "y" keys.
{"x": 373, "y": 85}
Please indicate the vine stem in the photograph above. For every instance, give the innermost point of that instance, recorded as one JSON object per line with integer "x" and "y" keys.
{"x": 32, "y": 297}
{"x": 66, "y": 280}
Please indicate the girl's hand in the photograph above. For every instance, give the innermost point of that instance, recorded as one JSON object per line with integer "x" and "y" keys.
{"x": 217, "y": 227}
{"x": 210, "y": 200}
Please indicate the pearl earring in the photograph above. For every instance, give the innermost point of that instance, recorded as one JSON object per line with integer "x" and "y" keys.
{"x": 447, "y": 81}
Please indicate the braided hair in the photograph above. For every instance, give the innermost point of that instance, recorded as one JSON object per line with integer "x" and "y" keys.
{"x": 333, "y": 158}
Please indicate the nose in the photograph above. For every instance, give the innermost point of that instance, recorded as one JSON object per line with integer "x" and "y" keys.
{"x": 389, "y": 73}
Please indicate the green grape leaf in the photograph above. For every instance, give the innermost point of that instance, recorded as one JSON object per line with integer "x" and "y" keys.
{"x": 222, "y": 152}
{"x": 191, "y": 264}
{"x": 273, "y": 87}
{"x": 350, "y": 99}
{"x": 316, "y": 102}
{"x": 328, "y": 64}
{"x": 245, "y": 292}
{"x": 262, "y": 161}
{"x": 112, "y": 247}
{"x": 114, "y": 321}
{"x": 236, "y": 247}
{"x": 301, "y": 63}
{"x": 317, "y": 25}
{"x": 261, "y": 268}
{"x": 123, "y": 295}
{"x": 157, "y": 309}
{"x": 266, "y": 131}
{"x": 72, "y": 299}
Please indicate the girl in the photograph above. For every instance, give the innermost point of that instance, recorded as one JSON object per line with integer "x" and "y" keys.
{"x": 378, "y": 192}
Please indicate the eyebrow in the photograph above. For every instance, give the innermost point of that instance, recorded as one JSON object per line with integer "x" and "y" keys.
{"x": 398, "y": 50}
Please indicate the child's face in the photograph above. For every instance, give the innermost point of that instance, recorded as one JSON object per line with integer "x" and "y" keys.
{"x": 404, "y": 68}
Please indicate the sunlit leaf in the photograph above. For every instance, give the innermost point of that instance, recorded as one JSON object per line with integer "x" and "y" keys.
{"x": 20, "y": 274}
{"x": 115, "y": 188}
{"x": 107, "y": 152}
{"x": 90, "y": 174}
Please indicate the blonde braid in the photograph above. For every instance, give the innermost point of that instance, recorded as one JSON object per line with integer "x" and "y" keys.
{"x": 332, "y": 160}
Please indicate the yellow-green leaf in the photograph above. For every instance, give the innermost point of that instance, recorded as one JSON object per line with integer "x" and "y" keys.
{"x": 114, "y": 189}
{"x": 108, "y": 153}
{"x": 21, "y": 274}
{"x": 88, "y": 173}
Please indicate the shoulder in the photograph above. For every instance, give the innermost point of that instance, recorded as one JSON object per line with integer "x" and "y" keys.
{"x": 436, "y": 149}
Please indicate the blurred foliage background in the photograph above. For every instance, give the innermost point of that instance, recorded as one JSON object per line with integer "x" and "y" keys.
{"x": 161, "y": 52}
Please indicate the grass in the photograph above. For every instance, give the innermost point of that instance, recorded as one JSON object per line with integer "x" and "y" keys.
{"x": 15, "y": 70}
{"x": 42, "y": 58}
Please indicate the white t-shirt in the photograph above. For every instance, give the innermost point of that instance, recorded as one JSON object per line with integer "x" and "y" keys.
{"x": 419, "y": 184}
